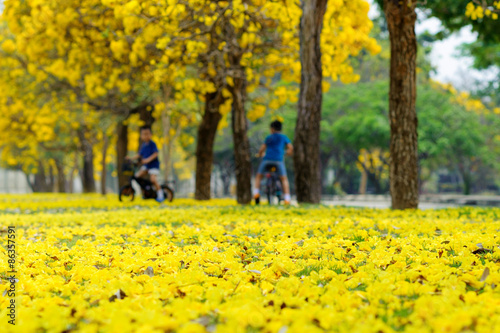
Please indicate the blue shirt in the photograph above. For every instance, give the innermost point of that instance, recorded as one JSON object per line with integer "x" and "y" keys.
{"x": 275, "y": 147}
{"x": 148, "y": 149}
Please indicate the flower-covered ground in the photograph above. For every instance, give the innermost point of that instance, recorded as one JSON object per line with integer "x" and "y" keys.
{"x": 91, "y": 264}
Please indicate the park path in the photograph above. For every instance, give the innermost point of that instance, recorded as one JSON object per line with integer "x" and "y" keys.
{"x": 426, "y": 201}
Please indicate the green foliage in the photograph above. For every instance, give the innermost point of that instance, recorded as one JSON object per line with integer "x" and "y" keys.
{"x": 486, "y": 54}
{"x": 451, "y": 13}
{"x": 355, "y": 117}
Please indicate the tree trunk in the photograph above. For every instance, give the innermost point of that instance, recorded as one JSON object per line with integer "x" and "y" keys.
{"x": 61, "y": 178}
{"x": 372, "y": 177}
{"x": 166, "y": 148}
{"x": 363, "y": 183}
{"x": 205, "y": 145}
{"x": 166, "y": 124}
{"x": 225, "y": 174}
{"x": 146, "y": 116}
{"x": 467, "y": 184}
{"x": 466, "y": 178}
{"x": 52, "y": 182}
{"x": 88, "y": 181}
{"x": 40, "y": 182}
{"x": 226, "y": 187}
{"x": 306, "y": 141}
{"x": 71, "y": 179}
{"x": 226, "y": 183}
{"x": 401, "y": 19}
{"x": 243, "y": 166}
{"x": 121, "y": 152}
{"x": 104, "y": 168}
{"x": 30, "y": 183}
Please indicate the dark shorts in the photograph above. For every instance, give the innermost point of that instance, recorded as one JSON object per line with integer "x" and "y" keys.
{"x": 280, "y": 167}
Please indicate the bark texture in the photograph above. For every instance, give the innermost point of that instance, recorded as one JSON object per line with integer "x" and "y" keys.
{"x": 121, "y": 152}
{"x": 61, "y": 177}
{"x": 307, "y": 141}
{"x": 146, "y": 116}
{"x": 401, "y": 18}
{"x": 73, "y": 171}
{"x": 40, "y": 183}
{"x": 52, "y": 181}
{"x": 88, "y": 180}
{"x": 243, "y": 166}
{"x": 104, "y": 164}
{"x": 205, "y": 145}
{"x": 166, "y": 125}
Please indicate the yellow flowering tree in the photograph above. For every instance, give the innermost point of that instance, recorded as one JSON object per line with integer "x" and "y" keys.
{"x": 106, "y": 60}
{"x": 114, "y": 54}
{"x": 36, "y": 130}
{"x": 239, "y": 36}
{"x": 52, "y": 39}
{"x": 249, "y": 44}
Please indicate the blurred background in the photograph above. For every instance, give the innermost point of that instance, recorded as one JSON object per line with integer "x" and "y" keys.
{"x": 74, "y": 148}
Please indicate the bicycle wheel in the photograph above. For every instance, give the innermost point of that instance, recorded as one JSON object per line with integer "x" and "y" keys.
{"x": 280, "y": 197}
{"x": 269, "y": 192}
{"x": 126, "y": 194}
{"x": 279, "y": 191}
{"x": 168, "y": 192}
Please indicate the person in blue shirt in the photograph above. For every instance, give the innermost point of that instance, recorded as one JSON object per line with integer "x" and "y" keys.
{"x": 273, "y": 151}
{"x": 149, "y": 160}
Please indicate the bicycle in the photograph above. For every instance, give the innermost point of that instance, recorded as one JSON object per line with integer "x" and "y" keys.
{"x": 274, "y": 188}
{"x": 127, "y": 192}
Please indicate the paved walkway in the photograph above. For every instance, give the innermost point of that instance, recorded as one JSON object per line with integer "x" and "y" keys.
{"x": 384, "y": 204}
{"x": 428, "y": 201}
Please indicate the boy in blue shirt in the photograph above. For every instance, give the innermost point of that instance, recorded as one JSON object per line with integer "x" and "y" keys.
{"x": 149, "y": 160}
{"x": 274, "y": 148}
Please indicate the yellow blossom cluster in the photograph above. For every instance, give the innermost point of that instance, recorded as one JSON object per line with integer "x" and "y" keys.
{"x": 61, "y": 59}
{"x": 374, "y": 161}
{"x": 464, "y": 99}
{"x": 479, "y": 10}
{"x": 89, "y": 264}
